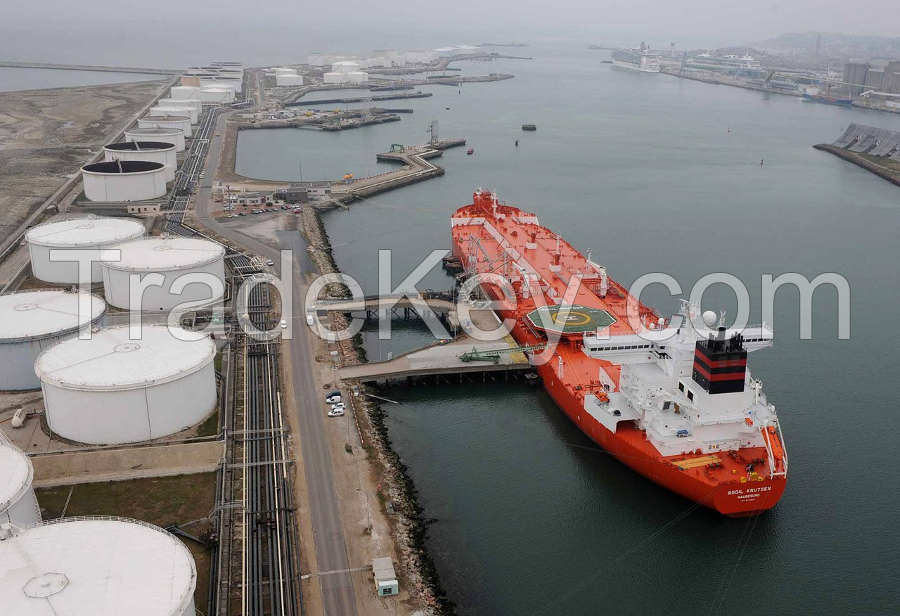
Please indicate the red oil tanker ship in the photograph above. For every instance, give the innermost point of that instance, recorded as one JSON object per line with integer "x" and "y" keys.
{"x": 673, "y": 399}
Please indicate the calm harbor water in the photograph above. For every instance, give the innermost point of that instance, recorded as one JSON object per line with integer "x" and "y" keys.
{"x": 653, "y": 173}
{"x": 14, "y": 79}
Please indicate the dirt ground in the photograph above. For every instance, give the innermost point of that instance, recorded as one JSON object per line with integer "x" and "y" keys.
{"x": 185, "y": 500}
{"x": 47, "y": 135}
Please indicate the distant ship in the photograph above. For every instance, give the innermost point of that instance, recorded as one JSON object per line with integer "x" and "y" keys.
{"x": 826, "y": 98}
{"x": 638, "y": 59}
{"x": 504, "y": 45}
{"x": 672, "y": 399}
{"x": 730, "y": 63}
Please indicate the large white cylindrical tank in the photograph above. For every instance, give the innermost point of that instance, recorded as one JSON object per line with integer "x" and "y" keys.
{"x": 217, "y": 95}
{"x": 124, "y": 180}
{"x": 185, "y": 110}
{"x": 112, "y": 389}
{"x": 357, "y": 77}
{"x": 88, "y": 234}
{"x": 173, "y": 258}
{"x": 184, "y": 92}
{"x": 18, "y": 504}
{"x": 168, "y": 121}
{"x": 157, "y": 151}
{"x": 34, "y": 321}
{"x": 175, "y": 136}
{"x": 334, "y": 77}
{"x": 345, "y": 67}
{"x": 181, "y": 102}
{"x": 97, "y": 566}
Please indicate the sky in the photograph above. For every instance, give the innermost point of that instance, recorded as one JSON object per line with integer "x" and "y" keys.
{"x": 49, "y": 30}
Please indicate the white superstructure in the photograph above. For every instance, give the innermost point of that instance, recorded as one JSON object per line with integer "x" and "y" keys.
{"x": 33, "y": 321}
{"x": 18, "y": 504}
{"x": 156, "y": 151}
{"x": 95, "y": 567}
{"x": 90, "y": 234}
{"x": 639, "y": 59}
{"x": 168, "y": 121}
{"x": 112, "y": 390}
{"x": 124, "y": 180}
{"x": 175, "y": 136}
{"x": 173, "y": 258}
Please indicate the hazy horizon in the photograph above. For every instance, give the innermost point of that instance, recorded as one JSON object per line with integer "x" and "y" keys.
{"x": 58, "y": 31}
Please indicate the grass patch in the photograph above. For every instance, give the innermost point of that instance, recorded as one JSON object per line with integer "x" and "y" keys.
{"x": 210, "y": 426}
{"x": 159, "y": 500}
{"x": 887, "y": 163}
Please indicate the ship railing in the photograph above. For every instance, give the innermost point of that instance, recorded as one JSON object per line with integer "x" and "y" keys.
{"x": 771, "y": 454}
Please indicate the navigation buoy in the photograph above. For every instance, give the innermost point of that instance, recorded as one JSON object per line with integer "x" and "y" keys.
{"x": 760, "y": 162}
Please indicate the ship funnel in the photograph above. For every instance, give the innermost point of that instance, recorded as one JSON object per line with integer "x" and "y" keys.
{"x": 720, "y": 363}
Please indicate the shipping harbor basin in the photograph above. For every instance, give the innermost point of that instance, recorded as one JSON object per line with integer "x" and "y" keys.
{"x": 672, "y": 400}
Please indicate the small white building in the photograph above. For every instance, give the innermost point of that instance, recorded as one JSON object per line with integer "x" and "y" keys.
{"x": 386, "y": 584}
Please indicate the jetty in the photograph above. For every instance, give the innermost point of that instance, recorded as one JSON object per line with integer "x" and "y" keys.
{"x": 359, "y": 99}
{"x": 876, "y": 150}
{"x": 88, "y": 67}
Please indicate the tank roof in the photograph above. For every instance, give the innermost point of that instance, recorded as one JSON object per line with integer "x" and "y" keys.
{"x": 163, "y": 253}
{"x": 112, "y": 361}
{"x": 16, "y": 473}
{"x": 91, "y": 231}
{"x": 37, "y": 314}
{"x": 96, "y": 566}
{"x": 166, "y": 117}
{"x": 138, "y": 146}
{"x": 123, "y": 167}
{"x": 154, "y": 130}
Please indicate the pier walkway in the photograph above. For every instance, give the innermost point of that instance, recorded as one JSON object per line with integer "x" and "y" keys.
{"x": 439, "y": 359}
{"x": 87, "y": 67}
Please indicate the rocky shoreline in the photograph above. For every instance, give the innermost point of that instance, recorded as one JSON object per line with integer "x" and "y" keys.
{"x": 397, "y": 489}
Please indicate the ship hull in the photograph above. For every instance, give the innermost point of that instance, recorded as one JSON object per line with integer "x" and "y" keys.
{"x": 733, "y": 498}
{"x": 839, "y": 102}
{"x": 634, "y": 67}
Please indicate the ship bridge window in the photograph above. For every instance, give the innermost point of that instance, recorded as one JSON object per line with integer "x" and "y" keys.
{"x": 681, "y": 386}
{"x": 690, "y": 395}
{"x": 666, "y": 405}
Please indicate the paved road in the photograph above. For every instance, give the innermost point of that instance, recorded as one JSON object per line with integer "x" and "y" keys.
{"x": 331, "y": 551}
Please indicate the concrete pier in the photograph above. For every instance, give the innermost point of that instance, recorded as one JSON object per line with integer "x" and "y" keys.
{"x": 87, "y": 67}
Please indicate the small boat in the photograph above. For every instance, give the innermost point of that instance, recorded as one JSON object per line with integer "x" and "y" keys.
{"x": 530, "y": 127}
{"x": 470, "y": 151}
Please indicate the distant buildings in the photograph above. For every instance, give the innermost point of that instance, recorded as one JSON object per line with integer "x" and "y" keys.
{"x": 878, "y": 74}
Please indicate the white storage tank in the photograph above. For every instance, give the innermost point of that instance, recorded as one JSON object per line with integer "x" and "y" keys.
{"x": 345, "y": 67}
{"x": 175, "y": 136}
{"x": 18, "y": 504}
{"x": 91, "y": 233}
{"x": 357, "y": 77}
{"x": 168, "y": 121}
{"x": 173, "y": 258}
{"x": 217, "y": 95}
{"x": 95, "y": 566}
{"x": 157, "y": 151}
{"x": 184, "y": 92}
{"x": 113, "y": 390}
{"x": 334, "y": 78}
{"x": 185, "y": 110}
{"x": 34, "y": 321}
{"x": 181, "y": 102}
{"x": 124, "y": 180}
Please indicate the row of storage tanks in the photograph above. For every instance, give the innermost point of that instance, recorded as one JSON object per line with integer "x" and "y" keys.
{"x": 139, "y": 168}
{"x": 287, "y": 77}
{"x": 345, "y": 71}
{"x": 109, "y": 389}
{"x": 84, "y": 565}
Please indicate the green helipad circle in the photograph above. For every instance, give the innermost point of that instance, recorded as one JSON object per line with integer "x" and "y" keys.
{"x": 570, "y": 319}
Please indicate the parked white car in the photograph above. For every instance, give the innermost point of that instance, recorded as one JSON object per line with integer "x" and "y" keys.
{"x": 336, "y": 412}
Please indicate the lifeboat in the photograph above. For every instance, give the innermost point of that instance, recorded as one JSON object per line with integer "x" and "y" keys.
{"x": 470, "y": 151}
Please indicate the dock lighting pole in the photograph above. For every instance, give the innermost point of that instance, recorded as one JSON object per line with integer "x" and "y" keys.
{"x": 301, "y": 171}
